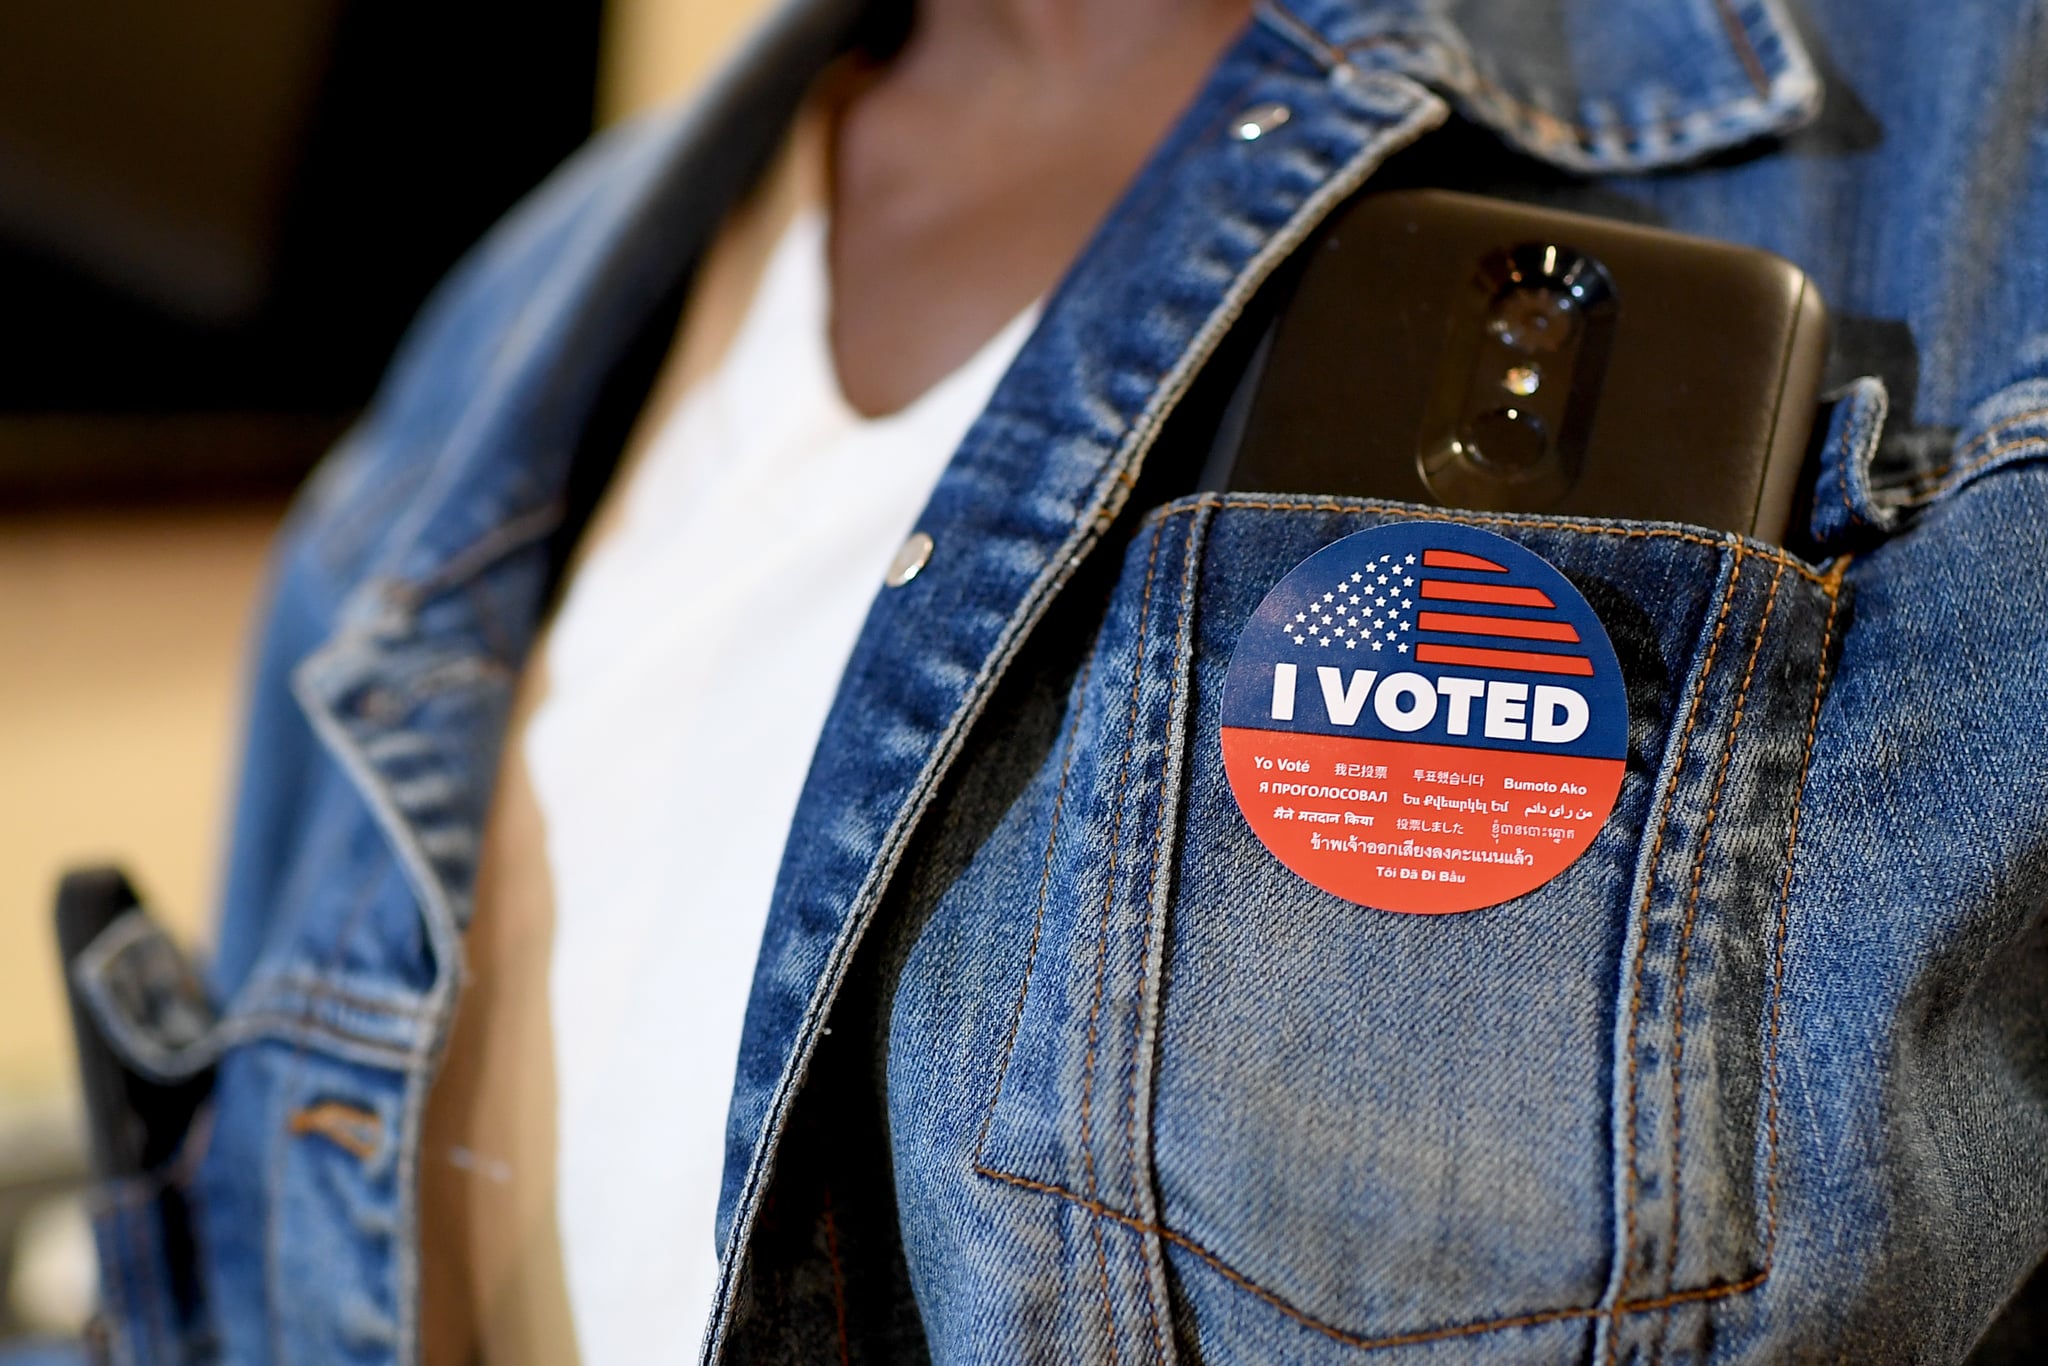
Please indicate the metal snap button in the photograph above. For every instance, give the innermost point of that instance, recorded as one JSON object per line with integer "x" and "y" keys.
{"x": 1259, "y": 120}
{"x": 910, "y": 560}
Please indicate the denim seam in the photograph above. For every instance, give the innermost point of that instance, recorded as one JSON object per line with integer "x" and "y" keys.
{"x": 1141, "y": 1175}
{"x": 282, "y": 1143}
{"x": 285, "y": 1026}
{"x": 1346, "y": 1336}
{"x": 1532, "y": 118}
{"x": 1925, "y": 482}
{"x": 1784, "y": 917}
{"x": 1541, "y": 125}
{"x": 444, "y": 943}
{"x": 1956, "y": 475}
{"x": 1745, "y": 50}
{"x": 1633, "y": 1183}
{"x": 1291, "y": 28}
{"x": 1116, "y": 824}
{"x": 317, "y": 987}
{"x": 1686, "y": 928}
{"x": 1038, "y": 920}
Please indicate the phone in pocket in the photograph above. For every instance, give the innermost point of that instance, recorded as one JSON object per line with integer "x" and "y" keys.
{"x": 1483, "y": 354}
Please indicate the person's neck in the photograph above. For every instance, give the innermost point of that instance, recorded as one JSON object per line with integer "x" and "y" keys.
{"x": 1077, "y": 35}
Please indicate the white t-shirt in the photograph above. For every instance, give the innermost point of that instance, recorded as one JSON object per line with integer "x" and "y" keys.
{"x": 685, "y": 699}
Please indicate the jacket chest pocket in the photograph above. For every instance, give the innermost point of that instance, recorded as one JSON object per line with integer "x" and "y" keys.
{"x": 1356, "y": 1128}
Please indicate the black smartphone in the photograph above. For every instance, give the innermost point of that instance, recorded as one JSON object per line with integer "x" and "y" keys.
{"x": 1483, "y": 354}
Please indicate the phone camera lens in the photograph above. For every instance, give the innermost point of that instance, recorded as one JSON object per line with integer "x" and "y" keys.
{"x": 1509, "y": 441}
{"x": 1534, "y": 319}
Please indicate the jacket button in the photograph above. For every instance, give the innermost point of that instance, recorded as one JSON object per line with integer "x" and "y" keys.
{"x": 1259, "y": 120}
{"x": 910, "y": 559}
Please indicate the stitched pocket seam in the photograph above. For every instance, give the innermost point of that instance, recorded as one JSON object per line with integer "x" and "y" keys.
{"x": 1830, "y": 583}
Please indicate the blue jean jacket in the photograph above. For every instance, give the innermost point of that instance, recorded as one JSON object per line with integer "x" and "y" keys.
{"x": 1047, "y": 1058}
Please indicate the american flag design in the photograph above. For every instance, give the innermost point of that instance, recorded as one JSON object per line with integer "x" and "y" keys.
{"x": 1425, "y": 717}
{"x": 1408, "y": 604}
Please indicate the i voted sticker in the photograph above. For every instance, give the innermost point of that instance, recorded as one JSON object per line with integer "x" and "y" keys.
{"x": 1425, "y": 718}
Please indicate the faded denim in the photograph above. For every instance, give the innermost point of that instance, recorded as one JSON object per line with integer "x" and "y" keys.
{"x": 1047, "y": 1059}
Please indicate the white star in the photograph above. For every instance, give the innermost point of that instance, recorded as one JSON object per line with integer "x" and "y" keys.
{"x": 1409, "y": 560}
{"x": 1407, "y": 583}
{"x": 1354, "y": 599}
{"x": 1402, "y": 647}
{"x": 1375, "y": 645}
{"x": 1354, "y": 621}
{"x": 1328, "y": 596}
{"x": 1379, "y": 602}
{"x": 1301, "y": 616}
{"x": 1406, "y": 603}
{"x": 1383, "y": 578}
{"x": 1354, "y": 576}
{"x": 1350, "y": 644}
{"x": 1404, "y": 625}
{"x": 1390, "y": 635}
{"x": 1298, "y": 640}
{"x": 1312, "y": 630}
{"x": 1326, "y": 640}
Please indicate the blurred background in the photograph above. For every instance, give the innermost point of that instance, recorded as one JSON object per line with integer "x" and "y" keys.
{"x": 215, "y": 219}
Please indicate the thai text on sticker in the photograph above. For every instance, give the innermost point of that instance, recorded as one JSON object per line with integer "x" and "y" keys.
{"x": 1425, "y": 717}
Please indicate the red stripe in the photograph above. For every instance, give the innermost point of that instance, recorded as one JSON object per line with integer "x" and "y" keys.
{"x": 1517, "y": 627}
{"x": 1504, "y": 594}
{"x": 1453, "y": 559}
{"x": 1505, "y": 659}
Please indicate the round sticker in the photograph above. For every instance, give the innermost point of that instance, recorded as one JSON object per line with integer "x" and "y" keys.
{"x": 1425, "y": 717}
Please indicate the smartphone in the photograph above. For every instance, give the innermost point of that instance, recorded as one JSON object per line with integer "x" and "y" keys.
{"x": 1483, "y": 354}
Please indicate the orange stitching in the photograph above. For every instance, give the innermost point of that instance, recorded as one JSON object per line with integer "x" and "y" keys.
{"x": 1926, "y": 479}
{"x": 1116, "y": 822}
{"x": 838, "y": 1279}
{"x": 1979, "y": 463}
{"x": 1738, "y": 35}
{"x": 1187, "y": 574}
{"x": 348, "y": 1127}
{"x": 1308, "y": 1320}
{"x": 1533, "y": 117}
{"x": 1685, "y": 931}
{"x": 1059, "y": 798}
{"x": 1643, "y": 947}
{"x": 1784, "y": 914}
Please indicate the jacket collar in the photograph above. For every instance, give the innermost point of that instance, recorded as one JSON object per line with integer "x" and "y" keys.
{"x": 1591, "y": 86}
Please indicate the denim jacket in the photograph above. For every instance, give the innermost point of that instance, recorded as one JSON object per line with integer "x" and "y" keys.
{"x": 1047, "y": 1058}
